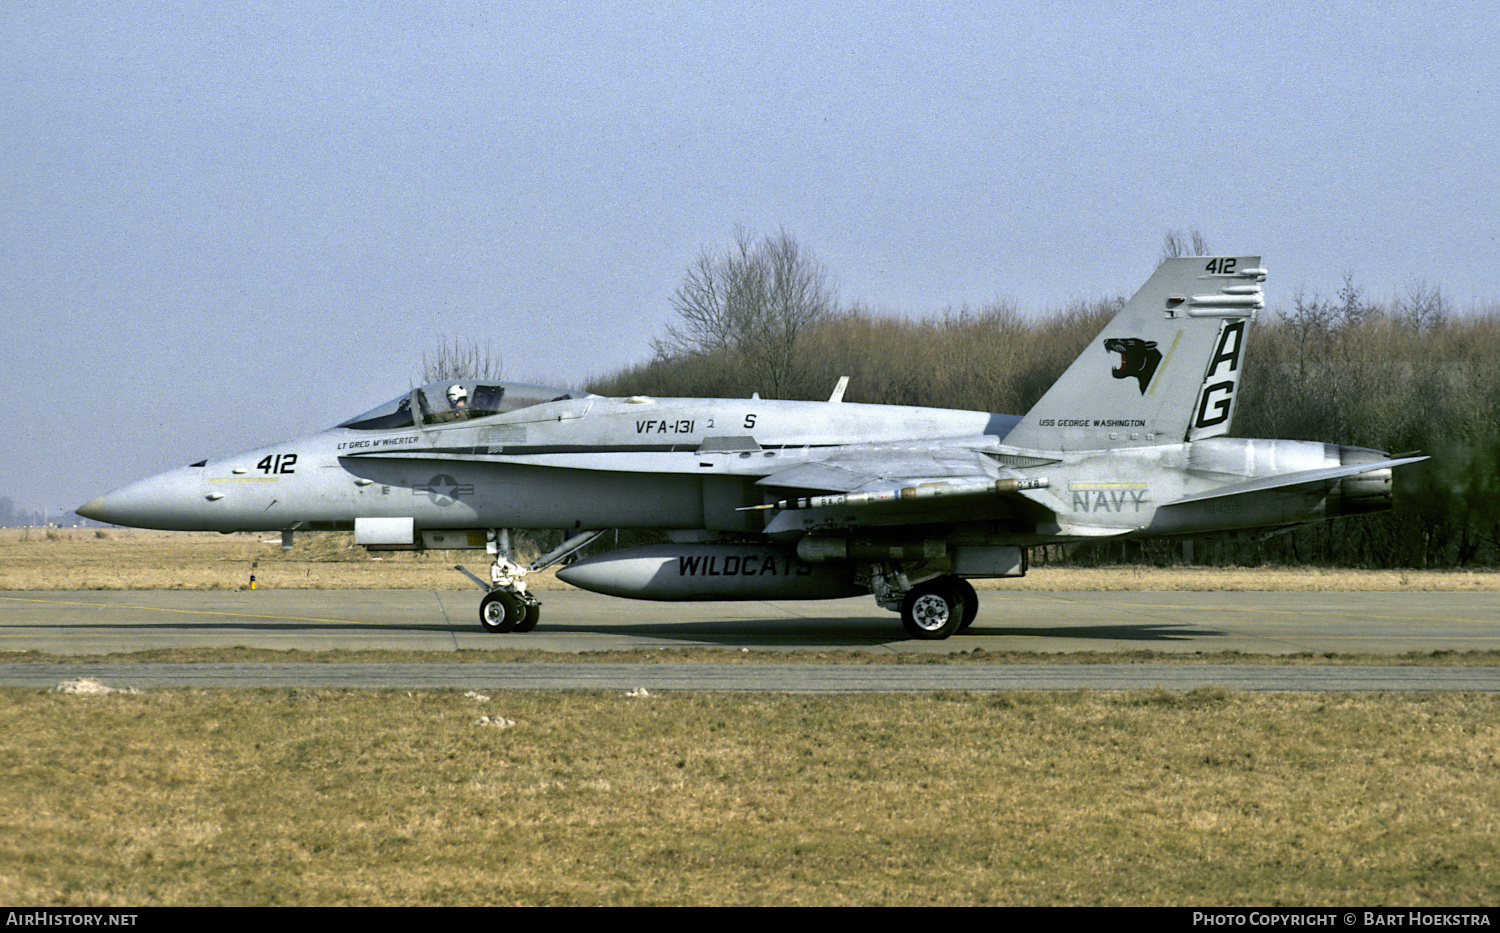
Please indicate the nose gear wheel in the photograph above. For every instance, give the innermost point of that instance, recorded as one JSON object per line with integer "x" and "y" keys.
{"x": 502, "y": 611}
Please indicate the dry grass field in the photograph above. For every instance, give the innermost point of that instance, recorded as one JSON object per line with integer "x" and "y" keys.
{"x": 1209, "y": 798}
{"x": 84, "y": 559}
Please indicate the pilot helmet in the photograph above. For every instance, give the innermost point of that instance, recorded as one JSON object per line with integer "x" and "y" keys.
{"x": 458, "y": 396}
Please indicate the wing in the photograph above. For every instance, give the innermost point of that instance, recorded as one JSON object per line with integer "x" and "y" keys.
{"x": 1342, "y": 490}
{"x": 897, "y": 486}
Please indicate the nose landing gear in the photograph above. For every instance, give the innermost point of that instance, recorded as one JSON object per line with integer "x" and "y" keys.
{"x": 508, "y": 607}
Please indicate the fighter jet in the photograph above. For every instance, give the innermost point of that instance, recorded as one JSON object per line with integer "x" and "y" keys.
{"x": 766, "y": 499}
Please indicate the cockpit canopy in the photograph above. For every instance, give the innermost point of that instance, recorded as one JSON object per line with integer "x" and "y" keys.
{"x": 459, "y": 400}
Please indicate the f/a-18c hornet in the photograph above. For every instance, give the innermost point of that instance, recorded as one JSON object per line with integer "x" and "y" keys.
{"x": 772, "y": 499}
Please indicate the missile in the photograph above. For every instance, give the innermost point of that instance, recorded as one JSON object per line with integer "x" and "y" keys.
{"x": 690, "y": 572}
{"x": 905, "y": 494}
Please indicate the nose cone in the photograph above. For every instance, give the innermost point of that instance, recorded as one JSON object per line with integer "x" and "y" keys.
{"x": 95, "y": 509}
{"x": 170, "y": 500}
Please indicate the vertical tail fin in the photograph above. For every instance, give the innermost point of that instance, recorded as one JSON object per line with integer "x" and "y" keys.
{"x": 1164, "y": 371}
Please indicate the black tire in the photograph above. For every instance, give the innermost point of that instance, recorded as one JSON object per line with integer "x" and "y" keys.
{"x": 971, "y": 601}
{"x": 532, "y": 616}
{"x": 501, "y": 611}
{"x": 933, "y": 610}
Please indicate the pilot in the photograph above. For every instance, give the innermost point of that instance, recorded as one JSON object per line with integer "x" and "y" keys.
{"x": 458, "y": 404}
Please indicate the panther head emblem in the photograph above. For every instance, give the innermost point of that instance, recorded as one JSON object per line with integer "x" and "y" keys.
{"x": 1138, "y": 358}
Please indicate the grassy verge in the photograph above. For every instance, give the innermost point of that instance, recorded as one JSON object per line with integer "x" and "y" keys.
{"x": 332, "y": 797}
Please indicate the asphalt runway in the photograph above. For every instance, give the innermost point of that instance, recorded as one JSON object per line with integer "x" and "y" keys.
{"x": 104, "y": 622}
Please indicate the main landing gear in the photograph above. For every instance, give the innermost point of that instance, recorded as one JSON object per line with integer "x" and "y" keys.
{"x": 938, "y": 608}
{"x": 508, "y": 607}
{"x": 931, "y": 610}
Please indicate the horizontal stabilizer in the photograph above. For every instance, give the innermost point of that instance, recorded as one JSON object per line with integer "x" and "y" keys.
{"x": 1288, "y": 480}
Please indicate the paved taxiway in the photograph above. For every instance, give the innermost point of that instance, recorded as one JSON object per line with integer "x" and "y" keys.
{"x": 1176, "y": 622}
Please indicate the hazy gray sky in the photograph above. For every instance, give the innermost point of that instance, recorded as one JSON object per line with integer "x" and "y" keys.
{"x": 224, "y": 224}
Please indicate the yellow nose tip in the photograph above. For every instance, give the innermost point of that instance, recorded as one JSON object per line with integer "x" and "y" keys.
{"x": 94, "y": 509}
